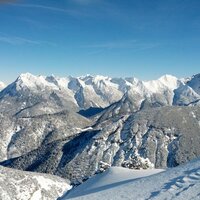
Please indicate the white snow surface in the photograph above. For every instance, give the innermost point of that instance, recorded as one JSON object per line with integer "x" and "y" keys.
{"x": 181, "y": 182}
{"x": 163, "y": 83}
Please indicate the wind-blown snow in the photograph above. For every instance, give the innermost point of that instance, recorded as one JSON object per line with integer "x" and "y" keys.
{"x": 182, "y": 182}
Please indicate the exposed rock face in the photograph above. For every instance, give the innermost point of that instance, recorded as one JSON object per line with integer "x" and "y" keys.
{"x": 18, "y": 185}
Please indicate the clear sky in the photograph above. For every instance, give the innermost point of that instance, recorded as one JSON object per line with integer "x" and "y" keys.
{"x": 140, "y": 38}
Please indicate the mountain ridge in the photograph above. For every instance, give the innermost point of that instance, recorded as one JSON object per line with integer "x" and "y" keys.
{"x": 101, "y": 91}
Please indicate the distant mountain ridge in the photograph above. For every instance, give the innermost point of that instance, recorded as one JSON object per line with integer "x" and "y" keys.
{"x": 100, "y": 91}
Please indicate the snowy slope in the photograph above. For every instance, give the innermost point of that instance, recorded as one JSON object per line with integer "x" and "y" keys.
{"x": 182, "y": 182}
{"x": 19, "y": 185}
{"x": 163, "y": 83}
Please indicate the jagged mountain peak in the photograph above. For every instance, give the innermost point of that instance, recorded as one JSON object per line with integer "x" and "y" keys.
{"x": 101, "y": 91}
{"x": 97, "y": 79}
{"x": 169, "y": 81}
{"x": 26, "y": 75}
{"x": 167, "y": 77}
{"x": 167, "y": 90}
{"x": 31, "y": 81}
{"x": 166, "y": 81}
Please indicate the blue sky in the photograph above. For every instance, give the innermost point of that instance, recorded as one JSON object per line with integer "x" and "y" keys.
{"x": 140, "y": 38}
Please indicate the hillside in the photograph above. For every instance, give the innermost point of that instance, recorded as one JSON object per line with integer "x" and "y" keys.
{"x": 178, "y": 183}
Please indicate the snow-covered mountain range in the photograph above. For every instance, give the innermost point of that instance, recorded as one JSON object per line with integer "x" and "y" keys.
{"x": 99, "y": 91}
{"x": 75, "y": 127}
